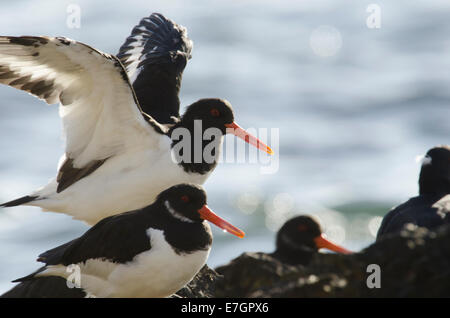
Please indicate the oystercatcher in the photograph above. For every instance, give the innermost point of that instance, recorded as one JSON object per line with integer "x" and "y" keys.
{"x": 117, "y": 157}
{"x": 151, "y": 252}
{"x": 299, "y": 238}
{"x": 431, "y": 208}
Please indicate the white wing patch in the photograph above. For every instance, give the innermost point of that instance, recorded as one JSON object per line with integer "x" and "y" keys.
{"x": 98, "y": 109}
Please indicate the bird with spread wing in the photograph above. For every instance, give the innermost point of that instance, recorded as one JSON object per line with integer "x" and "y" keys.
{"x": 118, "y": 115}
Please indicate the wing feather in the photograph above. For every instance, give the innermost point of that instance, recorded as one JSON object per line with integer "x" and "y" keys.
{"x": 100, "y": 113}
{"x": 155, "y": 55}
{"x": 109, "y": 239}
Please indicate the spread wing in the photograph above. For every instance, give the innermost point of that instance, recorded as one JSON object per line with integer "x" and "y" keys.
{"x": 100, "y": 114}
{"x": 155, "y": 55}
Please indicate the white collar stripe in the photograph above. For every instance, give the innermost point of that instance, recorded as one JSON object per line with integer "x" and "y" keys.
{"x": 175, "y": 214}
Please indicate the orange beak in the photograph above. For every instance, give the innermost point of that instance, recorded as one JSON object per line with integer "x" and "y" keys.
{"x": 252, "y": 140}
{"x": 322, "y": 242}
{"x": 207, "y": 214}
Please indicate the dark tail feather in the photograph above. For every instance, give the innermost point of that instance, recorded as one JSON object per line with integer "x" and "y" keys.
{"x": 19, "y": 201}
{"x": 31, "y": 276}
{"x": 44, "y": 287}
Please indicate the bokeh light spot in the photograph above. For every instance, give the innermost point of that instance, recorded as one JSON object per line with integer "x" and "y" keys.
{"x": 325, "y": 41}
{"x": 374, "y": 225}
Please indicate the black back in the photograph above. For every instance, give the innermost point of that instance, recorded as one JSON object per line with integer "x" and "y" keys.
{"x": 118, "y": 238}
{"x": 418, "y": 211}
{"x": 165, "y": 52}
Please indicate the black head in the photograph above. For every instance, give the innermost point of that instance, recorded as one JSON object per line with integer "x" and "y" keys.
{"x": 184, "y": 200}
{"x": 299, "y": 232}
{"x": 213, "y": 112}
{"x": 435, "y": 173}
{"x": 299, "y": 238}
{"x": 199, "y": 117}
{"x": 187, "y": 203}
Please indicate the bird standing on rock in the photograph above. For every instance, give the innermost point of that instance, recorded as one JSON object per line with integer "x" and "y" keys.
{"x": 151, "y": 252}
{"x": 118, "y": 157}
{"x": 431, "y": 208}
{"x": 297, "y": 242}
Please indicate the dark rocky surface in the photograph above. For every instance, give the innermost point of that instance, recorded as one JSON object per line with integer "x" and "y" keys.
{"x": 415, "y": 263}
{"x": 203, "y": 284}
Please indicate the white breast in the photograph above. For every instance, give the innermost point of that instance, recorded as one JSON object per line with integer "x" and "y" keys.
{"x": 123, "y": 183}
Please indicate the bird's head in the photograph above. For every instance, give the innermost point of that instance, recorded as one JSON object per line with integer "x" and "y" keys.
{"x": 435, "y": 172}
{"x": 304, "y": 233}
{"x": 213, "y": 112}
{"x": 218, "y": 113}
{"x": 187, "y": 202}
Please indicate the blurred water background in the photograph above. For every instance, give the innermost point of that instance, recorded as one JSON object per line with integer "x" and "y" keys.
{"x": 354, "y": 107}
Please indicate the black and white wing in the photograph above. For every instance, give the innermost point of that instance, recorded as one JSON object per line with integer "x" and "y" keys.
{"x": 114, "y": 240}
{"x": 155, "y": 55}
{"x": 117, "y": 238}
{"x": 99, "y": 111}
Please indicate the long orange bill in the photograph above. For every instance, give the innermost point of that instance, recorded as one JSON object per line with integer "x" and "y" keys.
{"x": 322, "y": 242}
{"x": 210, "y": 216}
{"x": 252, "y": 140}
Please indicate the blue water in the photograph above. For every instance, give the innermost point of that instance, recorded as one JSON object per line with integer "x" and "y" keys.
{"x": 350, "y": 124}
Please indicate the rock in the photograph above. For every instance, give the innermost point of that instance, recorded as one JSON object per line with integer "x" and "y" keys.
{"x": 251, "y": 272}
{"x": 415, "y": 263}
{"x": 260, "y": 275}
{"x": 202, "y": 285}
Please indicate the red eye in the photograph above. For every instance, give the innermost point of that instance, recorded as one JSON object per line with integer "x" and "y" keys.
{"x": 185, "y": 198}
{"x": 215, "y": 112}
{"x": 302, "y": 228}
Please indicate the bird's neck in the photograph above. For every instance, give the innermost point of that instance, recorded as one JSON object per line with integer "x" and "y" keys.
{"x": 184, "y": 237}
{"x": 434, "y": 185}
{"x": 194, "y": 148}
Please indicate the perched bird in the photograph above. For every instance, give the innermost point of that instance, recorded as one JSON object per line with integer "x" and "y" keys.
{"x": 118, "y": 157}
{"x": 151, "y": 252}
{"x": 299, "y": 238}
{"x": 297, "y": 242}
{"x": 431, "y": 208}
